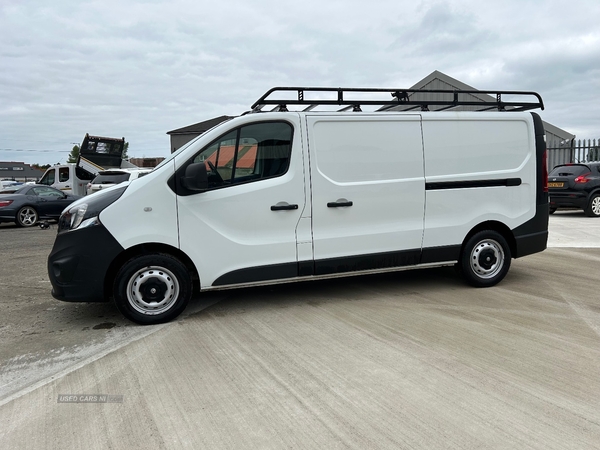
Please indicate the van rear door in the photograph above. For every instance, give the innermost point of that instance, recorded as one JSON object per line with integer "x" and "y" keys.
{"x": 368, "y": 191}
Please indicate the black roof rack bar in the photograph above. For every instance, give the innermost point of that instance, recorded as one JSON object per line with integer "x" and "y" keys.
{"x": 399, "y": 97}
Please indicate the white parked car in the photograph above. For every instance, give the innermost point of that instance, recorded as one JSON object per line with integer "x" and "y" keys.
{"x": 107, "y": 178}
{"x": 9, "y": 183}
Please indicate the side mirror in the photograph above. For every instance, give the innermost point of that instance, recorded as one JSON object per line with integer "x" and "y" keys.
{"x": 196, "y": 178}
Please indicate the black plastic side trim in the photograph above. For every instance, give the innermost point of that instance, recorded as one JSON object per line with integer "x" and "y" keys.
{"x": 368, "y": 262}
{"x": 306, "y": 268}
{"x": 261, "y": 273}
{"x": 329, "y": 266}
{"x": 440, "y": 254}
{"x": 472, "y": 184}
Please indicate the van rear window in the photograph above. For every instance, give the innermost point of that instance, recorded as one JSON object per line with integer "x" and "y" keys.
{"x": 569, "y": 170}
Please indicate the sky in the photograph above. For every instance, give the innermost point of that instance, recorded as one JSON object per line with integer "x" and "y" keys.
{"x": 138, "y": 69}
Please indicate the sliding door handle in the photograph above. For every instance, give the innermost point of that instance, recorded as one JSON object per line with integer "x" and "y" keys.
{"x": 342, "y": 202}
{"x": 283, "y": 206}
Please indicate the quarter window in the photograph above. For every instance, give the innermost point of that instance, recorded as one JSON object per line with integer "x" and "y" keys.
{"x": 249, "y": 153}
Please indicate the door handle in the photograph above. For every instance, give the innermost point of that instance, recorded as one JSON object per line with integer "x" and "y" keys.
{"x": 282, "y": 206}
{"x": 342, "y": 202}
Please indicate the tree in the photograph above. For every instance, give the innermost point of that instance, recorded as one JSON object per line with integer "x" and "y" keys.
{"x": 42, "y": 167}
{"x": 125, "y": 147}
{"x": 74, "y": 154}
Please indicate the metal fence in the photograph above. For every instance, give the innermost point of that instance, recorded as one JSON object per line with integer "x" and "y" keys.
{"x": 574, "y": 151}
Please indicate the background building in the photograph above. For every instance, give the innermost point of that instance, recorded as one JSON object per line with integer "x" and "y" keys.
{"x": 19, "y": 171}
{"x": 182, "y": 136}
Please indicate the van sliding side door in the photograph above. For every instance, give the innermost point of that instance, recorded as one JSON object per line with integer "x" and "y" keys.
{"x": 368, "y": 191}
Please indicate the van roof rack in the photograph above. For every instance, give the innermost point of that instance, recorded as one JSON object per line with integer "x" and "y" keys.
{"x": 401, "y": 99}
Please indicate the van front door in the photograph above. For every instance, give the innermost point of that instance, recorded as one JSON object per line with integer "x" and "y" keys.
{"x": 65, "y": 180}
{"x": 243, "y": 229}
{"x": 368, "y": 191}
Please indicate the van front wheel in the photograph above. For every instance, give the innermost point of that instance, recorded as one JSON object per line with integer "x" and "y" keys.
{"x": 152, "y": 289}
{"x": 485, "y": 259}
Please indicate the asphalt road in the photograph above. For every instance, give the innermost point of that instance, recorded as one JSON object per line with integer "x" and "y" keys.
{"x": 414, "y": 360}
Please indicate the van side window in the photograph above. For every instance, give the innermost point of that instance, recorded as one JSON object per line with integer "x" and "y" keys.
{"x": 63, "y": 174}
{"x": 249, "y": 153}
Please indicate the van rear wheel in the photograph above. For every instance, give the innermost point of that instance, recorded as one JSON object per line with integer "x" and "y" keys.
{"x": 151, "y": 289}
{"x": 485, "y": 259}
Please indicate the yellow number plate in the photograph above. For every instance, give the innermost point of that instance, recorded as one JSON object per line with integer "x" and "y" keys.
{"x": 555, "y": 185}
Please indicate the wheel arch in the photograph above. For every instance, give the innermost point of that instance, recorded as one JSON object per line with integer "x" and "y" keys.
{"x": 495, "y": 226}
{"x": 593, "y": 192}
{"x": 146, "y": 249}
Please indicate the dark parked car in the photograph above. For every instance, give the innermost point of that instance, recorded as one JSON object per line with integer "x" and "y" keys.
{"x": 575, "y": 186}
{"x": 29, "y": 203}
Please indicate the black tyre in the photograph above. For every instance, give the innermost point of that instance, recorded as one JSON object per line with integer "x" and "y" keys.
{"x": 485, "y": 259}
{"x": 593, "y": 208}
{"x": 152, "y": 289}
{"x": 27, "y": 216}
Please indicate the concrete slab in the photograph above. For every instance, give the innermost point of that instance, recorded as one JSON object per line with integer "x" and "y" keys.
{"x": 408, "y": 360}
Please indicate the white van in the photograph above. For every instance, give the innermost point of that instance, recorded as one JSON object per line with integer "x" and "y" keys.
{"x": 68, "y": 178}
{"x": 282, "y": 196}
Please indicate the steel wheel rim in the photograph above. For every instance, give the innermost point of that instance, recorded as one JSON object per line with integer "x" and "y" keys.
{"x": 596, "y": 206}
{"x": 487, "y": 259}
{"x": 27, "y": 216}
{"x": 152, "y": 290}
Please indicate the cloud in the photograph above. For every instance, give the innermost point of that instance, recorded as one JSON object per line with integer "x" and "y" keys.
{"x": 139, "y": 69}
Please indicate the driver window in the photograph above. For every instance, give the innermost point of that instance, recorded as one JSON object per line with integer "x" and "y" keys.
{"x": 48, "y": 178}
{"x": 250, "y": 153}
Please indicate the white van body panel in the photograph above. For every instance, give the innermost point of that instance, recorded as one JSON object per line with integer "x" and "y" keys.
{"x": 382, "y": 163}
{"x": 146, "y": 212}
{"x": 234, "y": 228}
{"x": 362, "y": 159}
{"x": 476, "y": 147}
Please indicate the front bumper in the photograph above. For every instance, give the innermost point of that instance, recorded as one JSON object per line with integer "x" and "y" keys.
{"x": 79, "y": 262}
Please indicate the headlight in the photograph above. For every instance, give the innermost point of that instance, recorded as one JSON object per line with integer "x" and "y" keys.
{"x": 77, "y": 214}
{"x": 75, "y": 217}
{"x": 84, "y": 213}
